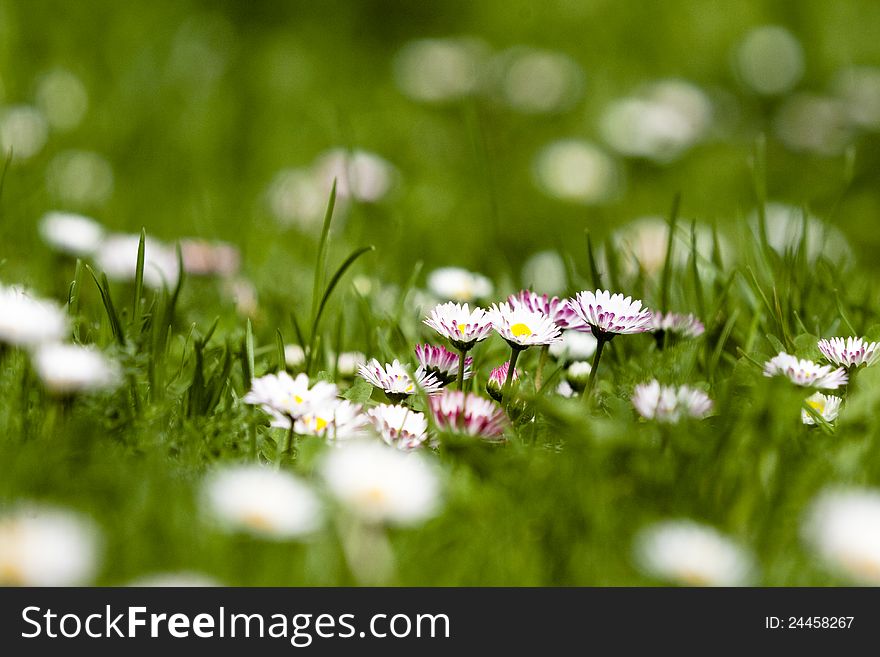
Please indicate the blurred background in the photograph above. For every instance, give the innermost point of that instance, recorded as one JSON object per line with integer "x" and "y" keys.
{"x": 475, "y": 134}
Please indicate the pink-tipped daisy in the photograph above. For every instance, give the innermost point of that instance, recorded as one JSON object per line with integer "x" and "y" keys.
{"x": 557, "y": 310}
{"x": 335, "y": 420}
{"x": 523, "y": 328}
{"x": 804, "y": 372}
{"x": 399, "y": 426}
{"x": 850, "y": 352}
{"x": 395, "y": 380}
{"x": 827, "y": 406}
{"x": 460, "y": 325}
{"x": 497, "y": 378}
{"x": 687, "y": 326}
{"x": 288, "y": 399}
{"x": 467, "y": 413}
{"x": 442, "y": 363}
{"x": 670, "y": 404}
{"x": 609, "y": 314}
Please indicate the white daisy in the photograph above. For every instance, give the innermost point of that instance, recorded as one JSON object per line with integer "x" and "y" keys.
{"x": 66, "y": 369}
{"x": 523, "y": 328}
{"x": 46, "y": 546}
{"x": 204, "y": 258}
{"x": 257, "y": 500}
{"x": 843, "y": 526}
{"x": 71, "y": 233}
{"x": 557, "y": 310}
{"x": 294, "y": 355}
{"x": 457, "y": 412}
{"x": 687, "y": 326}
{"x": 286, "y": 398}
{"x": 348, "y": 362}
{"x": 691, "y": 554}
{"x": 26, "y": 321}
{"x": 461, "y": 285}
{"x": 334, "y": 419}
{"x": 118, "y": 255}
{"x": 670, "y": 404}
{"x": 497, "y": 378}
{"x": 382, "y": 485}
{"x": 611, "y": 314}
{"x": 578, "y": 374}
{"x": 395, "y": 380}
{"x": 804, "y": 372}
{"x": 399, "y": 426}
{"x": 850, "y": 352}
{"x": 442, "y": 363}
{"x": 575, "y": 345}
{"x": 460, "y": 325}
{"x": 827, "y": 406}
{"x": 564, "y": 389}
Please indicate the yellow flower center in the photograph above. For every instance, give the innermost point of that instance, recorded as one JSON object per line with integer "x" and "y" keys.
{"x": 256, "y": 520}
{"x": 462, "y": 328}
{"x": 320, "y": 424}
{"x": 693, "y": 578}
{"x": 10, "y": 574}
{"x": 373, "y": 496}
{"x": 862, "y": 565}
{"x": 521, "y": 330}
{"x": 298, "y": 399}
{"x": 817, "y": 405}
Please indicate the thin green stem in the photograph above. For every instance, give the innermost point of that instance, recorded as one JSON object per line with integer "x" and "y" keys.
{"x": 588, "y": 391}
{"x": 462, "y": 354}
{"x": 511, "y": 368}
{"x": 542, "y": 360}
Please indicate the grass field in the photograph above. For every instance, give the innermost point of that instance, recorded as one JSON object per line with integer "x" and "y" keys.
{"x": 274, "y": 186}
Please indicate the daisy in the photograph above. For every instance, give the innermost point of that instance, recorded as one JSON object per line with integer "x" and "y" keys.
{"x": 70, "y": 233}
{"x": 457, "y": 284}
{"x": 522, "y": 328}
{"x": 257, "y": 500}
{"x": 47, "y": 546}
{"x": 294, "y": 356}
{"x": 850, "y": 352}
{"x": 805, "y": 373}
{"x": 687, "y": 326}
{"x": 575, "y": 345}
{"x": 26, "y": 321}
{"x": 497, "y": 378}
{"x": 333, "y": 419}
{"x": 564, "y": 389}
{"x": 397, "y": 383}
{"x": 399, "y": 426}
{"x": 66, "y": 369}
{"x": 382, "y": 485}
{"x": 348, "y": 362}
{"x": 556, "y": 309}
{"x": 442, "y": 363}
{"x": 287, "y": 399}
{"x": 691, "y": 554}
{"x": 118, "y": 255}
{"x": 608, "y": 315}
{"x": 578, "y": 374}
{"x": 670, "y": 404}
{"x": 827, "y": 406}
{"x": 842, "y": 526}
{"x": 460, "y": 325}
{"x": 467, "y": 413}
{"x": 204, "y": 258}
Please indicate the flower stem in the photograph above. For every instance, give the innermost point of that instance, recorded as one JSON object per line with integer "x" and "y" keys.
{"x": 588, "y": 391}
{"x": 542, "y": 360}
{"x": 461, "y": 358}
{"x": 511, "y": 368}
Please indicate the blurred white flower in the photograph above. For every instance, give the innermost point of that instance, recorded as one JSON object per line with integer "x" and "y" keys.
{"x": 578, "y": 171}
{"x": 785, "y": 229}
{"x": 399, "y": 426}
{"x": 769, "y": 60}
{"x": 816, "y": 124}
{"x": 827, "y": 406}
{"x": 80, "y": 178}
{"x": 267, "y": 503}
{"x": 184, "y": 579}
{"x": 26, "y": 321}
{"x": 537, "y": 81}
{"x": 286, "y": 398}
{"x": 575, "y": 345}
{"x": 382, "y": 485}
{"x": 858, "y": 88}
{"x": 670, "y": 404}
{"x": 46, "y": 546}
{"x": 66, "y": 369}
{"x": 842, "y": 525}
{"x": 334, "y": 420}
{"x": 294, "y": 355}
{"x": 296, "y": 197}
{"x": 805, "y": 373}
{"x": 691, "y": 554}
{"x": 23, "y": 130}
{"x": 204, "y": 258}
{"x": 457, "y": 284}
{"x": 63, "y": 98}
{"x": 348, "y": 362}
{"x": 243, "y": 294}
{"x": 440, "y": 70}
{"x": 564, "y": 389}
{"x": 545, "y": 271}
{"x": 71, "y": 233}
{"x": 118, "y": 258}
{"x": 359, "y": 174}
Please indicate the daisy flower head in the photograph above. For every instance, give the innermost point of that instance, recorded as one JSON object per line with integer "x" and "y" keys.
{"x": 842, "y": 526}
{"x": 564, "y": 389}
{"x": 558, "y": 310}
{"x": 460, "y": 285}
{"x": 460, "y": 325}
{"x": 399, "y": 426}
{"x": 70, "y": 233}
{"x": 47, "y": 546}
{"x": 257, "y": 500}
{"x": 849, "y": 352}
{"x": 827, "y": 406}
{"x": 381, "y": 485}
{"x": 804, "y": 372}
{"x": 497, "y": 378}
{"x": 575, "y": 345}
{"x": 294, "y": 355}
{"x": 688, "y": 553}
{"x": 578, "y": 374}
{"x": 670, "y": 404}
{"x": 286, "y": 398}
{"x": 66, "y": 369}
{"x": 609, "y": 314}
{"x": 442, "y": 363}
{"x": 333, "y": 419}
{"x": 468, "y": 413}
{"x": 348, "y": 362}
{"x": 118, "y": 255}
{"x": 26, "y": 321}
{"x": 522, "y": 328}
{"x": 395, "y": 380}
{"x": 687, "y": 326}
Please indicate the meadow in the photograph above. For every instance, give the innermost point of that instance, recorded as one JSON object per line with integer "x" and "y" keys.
{"x": 235, "y": 236}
